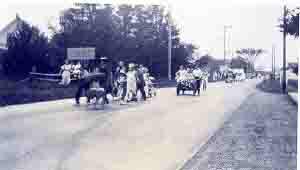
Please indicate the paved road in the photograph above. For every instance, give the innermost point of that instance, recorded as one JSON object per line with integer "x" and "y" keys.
{"x": 160, "y": 134}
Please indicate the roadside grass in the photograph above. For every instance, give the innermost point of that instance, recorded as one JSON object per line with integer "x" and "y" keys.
{"x": 15, "y": 91}
{"x": 21, "y": 92}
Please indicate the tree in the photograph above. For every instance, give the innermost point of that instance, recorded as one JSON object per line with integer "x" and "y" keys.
{"x": 205, "y": 60}
{"x": 27, "y": 47}
{"x": 133, "y": 33}
{"x": 250, "y": 55}
{"x": 239, "y": 62}
{"x": 292, "y": 22}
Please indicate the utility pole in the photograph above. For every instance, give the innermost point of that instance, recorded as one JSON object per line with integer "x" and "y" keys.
{"x": 224, "y": 45}
{"x": 225, "y": 29}
{"x": 284, "y": 50}
{"x": 272, "y": 60}
{"x": 169, "y": 45}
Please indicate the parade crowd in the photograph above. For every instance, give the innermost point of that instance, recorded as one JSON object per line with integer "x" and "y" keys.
{"x": 124, "y": 84}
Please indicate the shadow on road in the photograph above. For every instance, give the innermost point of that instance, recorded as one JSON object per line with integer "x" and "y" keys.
{"x": 269, "y": 86}
{"x": 293, "y": 85}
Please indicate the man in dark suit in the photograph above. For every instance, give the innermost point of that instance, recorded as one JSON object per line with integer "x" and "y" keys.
{"x": 106, "y": 80}
{"x": 141, "y": 82}
{"x": 83, "y": 85}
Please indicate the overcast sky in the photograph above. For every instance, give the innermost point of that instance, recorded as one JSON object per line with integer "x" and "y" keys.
{"x": 201, "y": 22}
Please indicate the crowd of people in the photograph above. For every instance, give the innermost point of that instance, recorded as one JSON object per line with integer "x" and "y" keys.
{"x": 128, "y": 82}
{"x": 124, "y": 84}
{"x": 218, "y": 75}
{"x": 70, "y": 70}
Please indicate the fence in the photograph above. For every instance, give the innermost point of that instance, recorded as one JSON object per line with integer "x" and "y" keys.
{"x": 46, "y": 77}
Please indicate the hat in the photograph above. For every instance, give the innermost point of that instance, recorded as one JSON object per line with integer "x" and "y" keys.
{"x": 103, "y": 58}
{"x": 131, "y": 65}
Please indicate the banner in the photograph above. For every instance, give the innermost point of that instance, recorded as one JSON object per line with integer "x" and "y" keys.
{"x": 81, "y": 53}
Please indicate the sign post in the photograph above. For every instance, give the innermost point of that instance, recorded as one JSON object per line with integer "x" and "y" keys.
{"x": 81, "y": 53}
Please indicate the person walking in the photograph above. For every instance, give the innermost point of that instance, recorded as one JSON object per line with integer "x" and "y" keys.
{"x": 205, "y": 80}
{"x": 198, "y": 74}
{"x": 131, "y": 83}
{"x": 83, "y": 85}
{"x": 105, "y": 80}
{"x": 141, "y": 81}
{"x": 122, "y": 85}
{"x": 116, "y": 76}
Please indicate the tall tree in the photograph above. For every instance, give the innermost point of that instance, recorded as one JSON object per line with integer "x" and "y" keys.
{"x": 27, "y": 47}
{"x": 292, "y": 22}
{"x": 250, "y": 55}
{"x": 134, "y": 33}
{"x": 239, "y": 62}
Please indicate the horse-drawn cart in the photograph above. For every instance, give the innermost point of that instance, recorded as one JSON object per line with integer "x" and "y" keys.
{"x": 96, "y": 94}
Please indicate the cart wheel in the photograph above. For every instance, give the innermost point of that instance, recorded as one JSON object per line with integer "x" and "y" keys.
{"x": 100, "y": 103}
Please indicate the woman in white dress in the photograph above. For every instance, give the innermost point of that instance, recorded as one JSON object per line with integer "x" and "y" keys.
{"x": 77, "y": 70}
{"x": 66, "y": 73}
{"x": 131, "y": 82}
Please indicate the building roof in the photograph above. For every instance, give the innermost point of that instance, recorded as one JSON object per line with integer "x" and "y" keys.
{"x": 9, "y": 28}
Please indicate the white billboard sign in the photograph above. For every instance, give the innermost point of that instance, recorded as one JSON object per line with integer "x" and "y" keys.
{"x": 81, "y": 53}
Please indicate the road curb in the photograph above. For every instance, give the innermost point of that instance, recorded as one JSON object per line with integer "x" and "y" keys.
{"x": 293, "y": 97}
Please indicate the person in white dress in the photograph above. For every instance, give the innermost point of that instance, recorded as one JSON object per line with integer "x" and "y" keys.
{"x": 205, "y": 80}
{"x": 66, "y": 73}
{"x": 148, "y": 83}
{"x": 131, "y": 83}
{"x": 77, "y": 70}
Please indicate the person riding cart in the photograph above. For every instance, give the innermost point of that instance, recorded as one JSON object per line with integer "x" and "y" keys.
{"x": 185, "y": 81}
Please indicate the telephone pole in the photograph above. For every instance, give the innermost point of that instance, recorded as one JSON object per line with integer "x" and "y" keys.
{"x": 169, "y": 44}
{"x": 225, "y": 29}
{"x": 273, "y": 61}
{"x": 284, "y": 50}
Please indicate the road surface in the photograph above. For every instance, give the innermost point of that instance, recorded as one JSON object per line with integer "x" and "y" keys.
{"x": 160, "y": 134}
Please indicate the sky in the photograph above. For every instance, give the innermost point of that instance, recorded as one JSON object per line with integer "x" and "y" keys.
{"x": 253, "y": 23}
